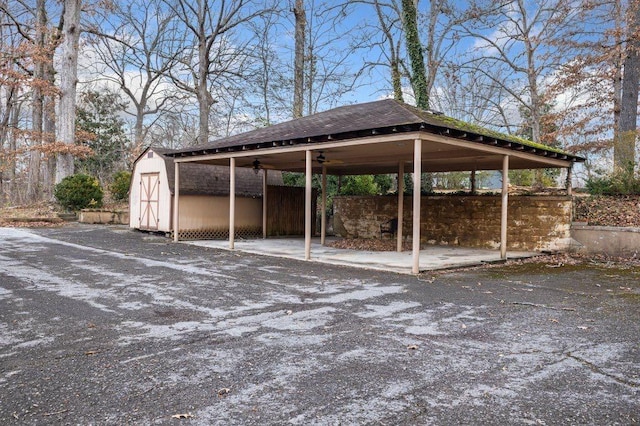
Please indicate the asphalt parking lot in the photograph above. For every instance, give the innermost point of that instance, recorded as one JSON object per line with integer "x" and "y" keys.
{"x": 103, "y": 325}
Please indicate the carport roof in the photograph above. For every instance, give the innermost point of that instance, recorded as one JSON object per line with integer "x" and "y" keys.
{"x": 385, "y": 120}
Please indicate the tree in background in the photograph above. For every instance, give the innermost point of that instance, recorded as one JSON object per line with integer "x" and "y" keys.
{"x": 519, "y": 45}
{"x": 298, "y": 62}
{"x": 414, "y": 50}
{"x": 588, "y": 83}
{"x": 28, "y": 42}
{"x": 548, "y": 130}
{"x": 359, "y": 185}
{"x": 492, "y": 64}
{"x": 390, "y": 27}
{"x": 137, "y": 43}
{"x": 66, "y": 131}
{"x": 269, "y": 73}
{"x": 214, "y": 54}
{"x": 624, "y": 146}
{"x": 102, "y": 130}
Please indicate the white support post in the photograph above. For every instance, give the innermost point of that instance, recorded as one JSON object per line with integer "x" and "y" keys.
{"x": 417, "y": 172}
{"x": 307, "y": 206}
{"x": 232, "y": 202}
{"x": 264, "y": 203}
{"x": 505, "y": 201}
{"x": 569, "y": 181}
{"x": 400, "y": 204}
{"x": 176, "y": 202}
{"x": 323, "y": 218}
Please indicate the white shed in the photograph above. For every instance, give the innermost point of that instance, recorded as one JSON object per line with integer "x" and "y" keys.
{"x": 204, "y": 197}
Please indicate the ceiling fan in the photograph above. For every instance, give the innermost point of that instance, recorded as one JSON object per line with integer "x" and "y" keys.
{"x": 257, "y": 166}
{"x": 322, "y": 160}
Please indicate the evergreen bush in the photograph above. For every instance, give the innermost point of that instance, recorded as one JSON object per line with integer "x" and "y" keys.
{"x": 78, "y": 192}
{"x": 621, "y": 183}
{"x": 119, "y": 187}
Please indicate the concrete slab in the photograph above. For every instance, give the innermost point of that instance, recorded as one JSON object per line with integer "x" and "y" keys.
{"x": 431, "y": 258}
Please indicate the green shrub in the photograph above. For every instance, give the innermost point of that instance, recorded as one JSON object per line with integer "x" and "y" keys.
{"x": 621, "y": 183}
{"x": 79, "y": 191}
{"x": 119, "y": 188}
{"x": 359, "y": 185}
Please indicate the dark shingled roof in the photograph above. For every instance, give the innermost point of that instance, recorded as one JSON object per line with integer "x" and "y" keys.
{"x": 204, "y": 179}
{"x": 367, "y": 119}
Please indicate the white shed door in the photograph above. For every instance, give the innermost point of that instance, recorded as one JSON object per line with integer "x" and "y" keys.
{"x": 149, "y": 200}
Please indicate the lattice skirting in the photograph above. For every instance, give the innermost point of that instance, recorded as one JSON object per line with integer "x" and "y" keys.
{"x": 219, "y": 233}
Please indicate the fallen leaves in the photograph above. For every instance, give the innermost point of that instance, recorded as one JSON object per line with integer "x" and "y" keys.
{"x": 182, "y": 416}
{"x": 608, "y": 211}
{"x": 223, "y": 392}
{"x": 368, "y": 244}
{"x": 412, "y": 347}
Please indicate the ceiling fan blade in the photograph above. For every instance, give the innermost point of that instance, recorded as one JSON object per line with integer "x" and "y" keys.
{"x": 333, "y": 162}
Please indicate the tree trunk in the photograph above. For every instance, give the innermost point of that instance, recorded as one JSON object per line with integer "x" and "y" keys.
{"x": 49, "y": 167}
{"x": 414, "y": 49}
{"x": 298, "y": 63}
{"x": 138, "y": 128}
{"x": 37, "y": 106}
{"x": 204, "y": 100}
{"x": 68, "y": 82}
{"x": 396, "y": 79}
{"x": 202, "y": 91}
{"x": 618, "y": 59}
{"x": 5, "y": 134}
{"x": 14, "y": 196}
{"x": 624, "y": 147}
{"x": 394, "y": 61}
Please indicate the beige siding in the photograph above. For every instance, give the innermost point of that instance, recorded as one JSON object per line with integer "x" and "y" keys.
{"x": 206, "y": 212}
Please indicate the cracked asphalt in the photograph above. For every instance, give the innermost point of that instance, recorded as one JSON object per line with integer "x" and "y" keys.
{"x": 104, "y": 325}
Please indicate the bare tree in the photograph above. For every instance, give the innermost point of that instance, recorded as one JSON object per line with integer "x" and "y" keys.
{"x": 385, "y": 38}
{"x": 470, "y": 96}
{"x": 266, "y": 92}
{"x": 136, "y": 53}
{"x": 298, "y": 66}
{"x": 32, "y": 42}
{"x": 524, "y": 42}
{"x": 624, "y": 147}
{"x": 330, "y": 72}
{"x": 37, "y": 108}
{"x": 212, "y": 56}
{"x": 68, "y": 83}
{"x": 433, "y": 38}
{"x": 390, "y": 24}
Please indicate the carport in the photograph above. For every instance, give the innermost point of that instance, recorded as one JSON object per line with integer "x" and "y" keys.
{"x": 373, "y": 138}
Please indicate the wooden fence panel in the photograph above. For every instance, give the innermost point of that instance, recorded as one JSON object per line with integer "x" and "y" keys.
{"x": 285, "y": 210}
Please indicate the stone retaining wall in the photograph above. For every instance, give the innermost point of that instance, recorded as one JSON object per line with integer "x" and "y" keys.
{"x": 535, "y": 222}
{"x": 112, "y": 217}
